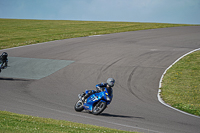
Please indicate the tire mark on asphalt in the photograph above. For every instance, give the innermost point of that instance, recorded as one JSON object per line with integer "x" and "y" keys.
{"x": 112, "y": 64}
{"x": 103, "y": 70}
{"x": 129, "y": 83}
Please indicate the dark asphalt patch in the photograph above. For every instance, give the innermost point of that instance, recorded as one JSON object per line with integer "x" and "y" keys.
{"x": 32, "y": 68}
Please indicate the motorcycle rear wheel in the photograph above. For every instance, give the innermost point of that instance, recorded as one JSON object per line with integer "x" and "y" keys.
{"x": 99, "y": 108}
{"x": 79, "y": 106}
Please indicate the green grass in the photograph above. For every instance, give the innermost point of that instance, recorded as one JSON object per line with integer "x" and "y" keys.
{"x": 16, "y": 123}
{"x": 181, "y": 84}
{"x": 16, "y": 32}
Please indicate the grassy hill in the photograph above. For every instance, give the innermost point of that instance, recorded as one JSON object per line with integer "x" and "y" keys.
{"x": 19, "y": 32}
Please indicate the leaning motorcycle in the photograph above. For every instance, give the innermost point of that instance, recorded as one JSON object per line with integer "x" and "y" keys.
{"x": 95, "y": 103}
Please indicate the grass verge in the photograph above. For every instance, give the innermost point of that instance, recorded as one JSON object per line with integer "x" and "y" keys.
{"x": 181, "y": 84}
{"x": 19, "y": 32}
{"x": 16, "y": 123}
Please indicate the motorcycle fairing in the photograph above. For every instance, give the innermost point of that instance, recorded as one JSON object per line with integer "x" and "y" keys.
{"x": 92, "y": 99}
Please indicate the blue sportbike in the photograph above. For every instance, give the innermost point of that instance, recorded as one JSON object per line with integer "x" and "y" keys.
{"x": 95, "y": 103}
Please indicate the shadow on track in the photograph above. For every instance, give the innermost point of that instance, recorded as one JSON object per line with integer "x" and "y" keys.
{"x": 12, "y": 79}
{"x": 122, "y": 116}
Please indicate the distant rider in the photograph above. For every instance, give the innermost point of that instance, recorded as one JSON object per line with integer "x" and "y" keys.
{"x": 101, "y": 87}
{"x": 3, "y": 60}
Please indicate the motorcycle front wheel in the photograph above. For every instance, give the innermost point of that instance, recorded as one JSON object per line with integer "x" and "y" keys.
{"x": 99, "y": 108}
{"x": 79, "y": 106}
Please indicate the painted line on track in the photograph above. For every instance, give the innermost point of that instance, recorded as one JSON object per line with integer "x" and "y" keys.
{"x": 160, "y": 85}
{"x": 44, "y": 43}
{"x": 28, "y": 45}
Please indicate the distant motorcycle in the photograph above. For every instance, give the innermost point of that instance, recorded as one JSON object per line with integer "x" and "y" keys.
{"x": 3, "y": 61}
{"x": 95, "y": 103}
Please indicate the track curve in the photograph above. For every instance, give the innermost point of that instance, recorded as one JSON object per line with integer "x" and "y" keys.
{"x": 135, "y": 59}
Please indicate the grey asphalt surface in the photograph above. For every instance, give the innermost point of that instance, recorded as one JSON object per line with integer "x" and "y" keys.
{"x": 135, "y": 59}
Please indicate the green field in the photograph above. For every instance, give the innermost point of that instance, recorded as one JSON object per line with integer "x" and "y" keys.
{"x": 15, "y": 123}
{"x": 181, "y": 84}
{"x": 14, "y": 33}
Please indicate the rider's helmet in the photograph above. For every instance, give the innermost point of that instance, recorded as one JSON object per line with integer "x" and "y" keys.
{"x": 111, "y": 82}
{"x": 4, "y": 56}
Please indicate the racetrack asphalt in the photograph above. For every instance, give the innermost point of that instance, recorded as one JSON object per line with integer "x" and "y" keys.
{"x": 136, "y": 60}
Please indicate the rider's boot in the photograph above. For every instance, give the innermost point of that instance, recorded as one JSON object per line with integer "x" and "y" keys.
{"x": 81, "y": 96}
{"x": 6, "y": 64}
{"x": 85, "y": 97}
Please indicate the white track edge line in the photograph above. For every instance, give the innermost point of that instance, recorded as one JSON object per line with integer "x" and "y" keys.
{"x": 160, "y": 85}
{"x": 28, "y": 45}
{"x": 43, "y": 43}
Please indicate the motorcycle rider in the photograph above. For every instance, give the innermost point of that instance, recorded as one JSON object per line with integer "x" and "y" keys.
{"x": 100, "y": 87}
{"x": 3, "y": 59}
